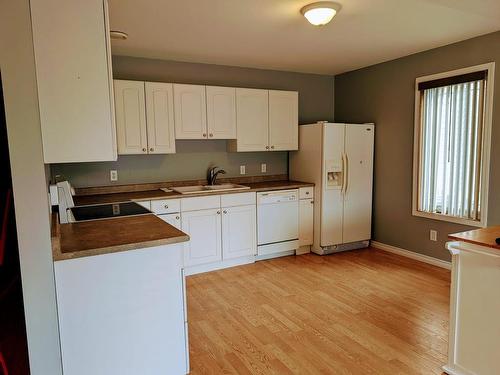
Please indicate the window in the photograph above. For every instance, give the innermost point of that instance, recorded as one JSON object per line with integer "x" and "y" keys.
{"x": 452, "y": 145}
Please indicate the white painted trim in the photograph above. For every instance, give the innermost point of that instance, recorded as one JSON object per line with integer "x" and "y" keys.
{"x": 486, "y": 147}
{"x": 411, "y": 254}
{"x": 453, "y": 371}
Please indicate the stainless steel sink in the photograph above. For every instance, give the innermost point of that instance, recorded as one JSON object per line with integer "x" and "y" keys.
{"x": 197, "y": 189}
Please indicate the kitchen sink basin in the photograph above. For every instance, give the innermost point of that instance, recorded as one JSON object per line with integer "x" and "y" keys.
{"x": 208, "y": 188}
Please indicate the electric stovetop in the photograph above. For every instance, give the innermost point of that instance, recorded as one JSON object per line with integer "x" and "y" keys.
{"x": 107, "y": 211}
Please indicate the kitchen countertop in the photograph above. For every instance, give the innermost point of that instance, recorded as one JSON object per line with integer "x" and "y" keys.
{"x": 89, "y": 238}
{"x": 159, "y": 194}
{"x": 482, "y": 237}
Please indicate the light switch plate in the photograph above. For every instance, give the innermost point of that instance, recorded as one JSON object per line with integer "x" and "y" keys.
{"x": 263, "y": 167}
{"x": 433, "y": 234}
{"x": 243, "y": 169}
{"x": 113, "y": 175}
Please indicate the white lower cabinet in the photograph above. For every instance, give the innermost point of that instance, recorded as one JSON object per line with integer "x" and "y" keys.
{"x": 239, "y": 232}
{"x": 123, "y": 313}
{"x": 173, "y": 219}
{"x": 204, "y": 230}
{"x": 306, "y": 214}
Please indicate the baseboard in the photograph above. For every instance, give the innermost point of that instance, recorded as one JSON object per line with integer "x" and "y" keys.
{"x": 411, "y": 254}
{"x": 193, "y": 270}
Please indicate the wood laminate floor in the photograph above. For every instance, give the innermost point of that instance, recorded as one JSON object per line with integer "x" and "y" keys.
{"x": 358, "y": 312}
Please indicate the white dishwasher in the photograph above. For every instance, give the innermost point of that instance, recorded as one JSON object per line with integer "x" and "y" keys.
{"x": 277, "y": 223}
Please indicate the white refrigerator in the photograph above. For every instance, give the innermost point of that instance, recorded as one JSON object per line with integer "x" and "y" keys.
{"x": 338, "y": 159}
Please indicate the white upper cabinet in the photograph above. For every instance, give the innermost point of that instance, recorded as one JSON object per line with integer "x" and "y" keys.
{"x": 221, "y": 112}
{"x": 144, "y": 117}
{"x": 160, "y": 117}
{"x": 190, "y": 112}
{"x": 267, "y": 120}
{"x": 283, "y": 120}
{"x": 73, "y": 69}
{"x": 130, "y": 109}
{"x": 252, "y": 120}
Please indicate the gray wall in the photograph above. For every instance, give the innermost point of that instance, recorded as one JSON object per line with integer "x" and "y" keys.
{"x": 384, "y": 94}
{"x": 17, "y": 65}
{"x": 193, "y": 157}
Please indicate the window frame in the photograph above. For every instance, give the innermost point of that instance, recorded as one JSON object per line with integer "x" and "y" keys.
{"x": 485, "y": 152}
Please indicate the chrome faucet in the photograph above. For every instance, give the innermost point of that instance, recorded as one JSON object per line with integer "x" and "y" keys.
{"x": 213, "y": 173}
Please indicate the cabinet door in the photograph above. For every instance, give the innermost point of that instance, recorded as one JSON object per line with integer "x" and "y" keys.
{"x": 221, "y": 112}
{"x": 190, "y": 110}
{"x": 239, "y": 231}
{"x": 358, "y": 189}
{"x": 130, "y": 117}
{"x": 252, "y": 120}
{"x": 160, "y": 117}
{"x": 283, "y": 120}
{"x": 204, "y": 230}
{"x": 74, "y": 80}
{"x": 306, "y": 215}
{"x": 173, "y": 219}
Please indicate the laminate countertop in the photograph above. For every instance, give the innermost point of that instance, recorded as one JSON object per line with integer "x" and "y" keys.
{"x": 482, "y": 237}
{"x": 97, "y": 237}
{"x": 160, "y": 194}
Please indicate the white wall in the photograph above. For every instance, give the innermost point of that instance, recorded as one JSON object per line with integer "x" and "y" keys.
{"x": 29, "y": 183}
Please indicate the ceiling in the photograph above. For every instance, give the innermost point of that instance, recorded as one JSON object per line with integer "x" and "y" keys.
{"x": 272, "y": 34}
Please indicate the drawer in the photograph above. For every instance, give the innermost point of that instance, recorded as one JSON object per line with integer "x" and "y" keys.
{"x": 306, "y": 192}
{"x": 200, "y": 203}
{"x": 165, "y": 206}
{"x": 238, "y": 199}
{"x": 145, "y": 204}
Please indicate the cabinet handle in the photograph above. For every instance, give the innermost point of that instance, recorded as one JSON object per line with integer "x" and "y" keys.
{"x": 177, "y": 217}
{"x": 272, "y": 147}
{"x": 307, "y": 193}
{"x": 144, "y": 150}
{"x": 166, "y": 206}
{"x": 204, "y": 135}
{"x": 151, "y": 149}
{"x": 218, "y": 212}
{"x": 312, "y": 202}
{"x": 225, "y": 211}
{"x": 211, "y": 135}
{"x": 267, "y": 147}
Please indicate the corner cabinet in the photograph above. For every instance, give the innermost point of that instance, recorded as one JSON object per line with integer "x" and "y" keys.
{"x": 144, "y": 117}
{"x": 267, "y": 120}
{"x": 74, "y": 79}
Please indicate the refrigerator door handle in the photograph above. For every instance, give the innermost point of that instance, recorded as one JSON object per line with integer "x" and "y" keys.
{"x": 344, "y": 170}
{"x": 346, "y": 174}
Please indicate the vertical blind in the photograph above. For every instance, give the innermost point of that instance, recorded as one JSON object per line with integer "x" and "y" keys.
{"x": 450, "y": 149}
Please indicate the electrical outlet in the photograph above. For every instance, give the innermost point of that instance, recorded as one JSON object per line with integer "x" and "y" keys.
{"x": 433, "y": 235}
{"x": 113, "y": 175}
{"x": 263, "y": 167}
{"x": 243, "y": 169}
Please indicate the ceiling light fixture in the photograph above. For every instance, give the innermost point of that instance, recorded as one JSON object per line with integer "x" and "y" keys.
{"x": 320, "y": 13}
{"x": 115, "y": 34}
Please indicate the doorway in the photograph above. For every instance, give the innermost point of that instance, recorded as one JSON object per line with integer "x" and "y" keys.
{"x": 13, "y": 343}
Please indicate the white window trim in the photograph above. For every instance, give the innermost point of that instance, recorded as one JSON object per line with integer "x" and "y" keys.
{"x": 485, "y": 169}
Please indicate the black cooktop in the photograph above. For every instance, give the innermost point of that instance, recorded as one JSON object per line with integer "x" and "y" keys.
{"x": 106, "y": 211}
